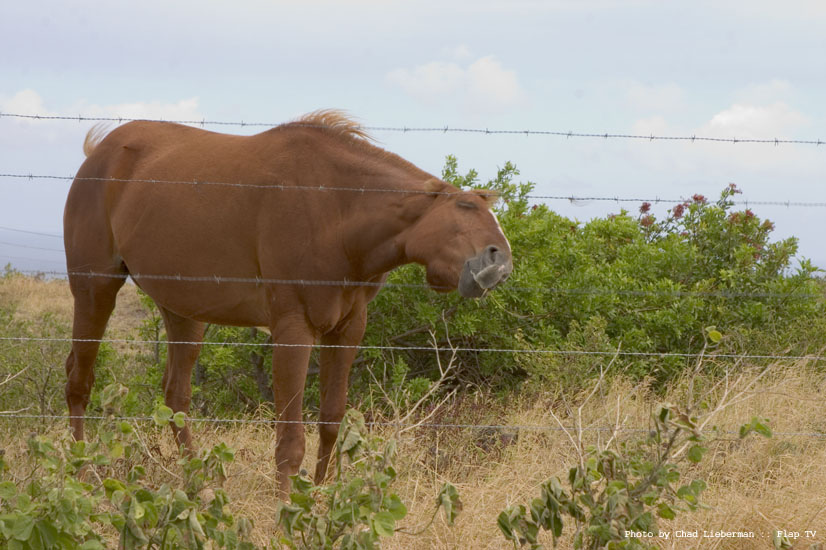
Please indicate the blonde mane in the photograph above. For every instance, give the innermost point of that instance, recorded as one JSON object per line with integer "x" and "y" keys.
{"x": 335, "y": 121}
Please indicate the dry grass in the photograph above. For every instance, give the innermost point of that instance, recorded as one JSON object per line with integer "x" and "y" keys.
{"x": 755, "y": 484}
{"x": 33, "y": 298}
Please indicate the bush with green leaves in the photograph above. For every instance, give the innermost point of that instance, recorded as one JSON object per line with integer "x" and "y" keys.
{"x": 614, "y": 492}
{"x": 358, "y": 507}
{"x": 633, "y": 282}
{"x": 79, "y": 495}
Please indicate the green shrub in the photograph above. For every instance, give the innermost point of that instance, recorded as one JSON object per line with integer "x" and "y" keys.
{"x": 614, "y": 496}
{"x": 80, "y": 495}
{"x": 358, "y": 507}
{"x": 634, "y": 283}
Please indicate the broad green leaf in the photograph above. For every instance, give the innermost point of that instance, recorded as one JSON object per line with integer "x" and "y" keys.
{"x": 7, "y": 490}
{"x": 503, "y": 520}
{"x": 665, "y": 511}
{"x": 137, "y": 511}
{"x": 384, "y": 524}
{"x": 162, "y": 415}
{"x": 48, "y": 532}
{"x": 22, "y": 528}
{"x": 179, "y": 418}
{"x": 195, "y": 524}
{"x": 116, "y": 450}
{"x": 395, "y": 506}
{"x": 696, "y": 452}
{"x": 756, "y": 425}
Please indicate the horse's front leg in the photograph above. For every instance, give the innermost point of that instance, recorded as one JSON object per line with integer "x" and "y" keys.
{"x": 292, "y": 341}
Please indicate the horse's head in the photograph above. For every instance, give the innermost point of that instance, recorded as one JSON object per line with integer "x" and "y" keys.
{"x": 460, "y": 242}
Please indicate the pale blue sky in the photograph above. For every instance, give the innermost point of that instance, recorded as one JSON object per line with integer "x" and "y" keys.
{"x": 752, "y": 69}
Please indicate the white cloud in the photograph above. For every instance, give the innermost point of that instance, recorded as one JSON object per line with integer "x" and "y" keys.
{"x": 185, "y": 109}
{"x": 661, "y": 98}
{"x": 429, "y": 82}
{"x": 490, "y": 83}
{"x": 24, "y": 102}
{"x": 741, "y": 120}
{"x": 775, "y": 120}
{"x": 29, "y": 102}
{"x": 765, "y": 92}
{"x": 484, "y": 85}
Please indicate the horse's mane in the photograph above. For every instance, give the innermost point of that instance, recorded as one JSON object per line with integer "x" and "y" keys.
{"x": 333, "y": 120}
{"x": 339, "y": 124}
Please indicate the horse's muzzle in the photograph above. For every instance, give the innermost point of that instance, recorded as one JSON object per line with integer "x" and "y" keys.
{"x": 483, "y": 272}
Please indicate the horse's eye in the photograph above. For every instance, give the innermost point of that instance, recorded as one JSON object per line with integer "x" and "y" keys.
{"x": 466, "y": 204}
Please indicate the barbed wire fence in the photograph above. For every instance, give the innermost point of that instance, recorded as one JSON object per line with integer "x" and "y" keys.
{"x": 379, "y": 423}
{"x": 574, "y": 199}
{"x": 429, "y": 129}
{"x": 219, "y": 279}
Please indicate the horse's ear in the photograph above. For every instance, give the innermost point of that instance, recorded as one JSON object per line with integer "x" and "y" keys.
{"x": 434, "y": 185}
{"x": 489, "y": 195}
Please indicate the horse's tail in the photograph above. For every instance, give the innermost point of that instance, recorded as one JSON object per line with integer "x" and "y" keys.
{"x": 93, "y": 138}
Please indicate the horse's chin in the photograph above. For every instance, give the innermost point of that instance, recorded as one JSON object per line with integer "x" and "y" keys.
{"x": 468, "y": 286}
{"x": 441, "y": 280}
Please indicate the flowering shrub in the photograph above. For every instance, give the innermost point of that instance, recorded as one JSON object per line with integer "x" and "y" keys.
{"x": 642, "y": 283}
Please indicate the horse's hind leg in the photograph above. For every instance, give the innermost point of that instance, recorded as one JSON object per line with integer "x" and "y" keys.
{"x": 177, "y": 385}
{"x": 94, "y": 298}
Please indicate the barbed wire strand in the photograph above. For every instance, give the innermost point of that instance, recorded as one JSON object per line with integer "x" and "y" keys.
{"x": 29, "y": 231}
{"x": 219, "y": 279}
{"x": 381, "y": 423}
{"x": 282, "y": 187}
{"x": 419, "y": 348}
{"x": 432, "y": 129}
{"x": 20, "y": 245}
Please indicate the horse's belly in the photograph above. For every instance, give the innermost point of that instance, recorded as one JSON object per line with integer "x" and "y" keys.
{"x": 223, "y": 303}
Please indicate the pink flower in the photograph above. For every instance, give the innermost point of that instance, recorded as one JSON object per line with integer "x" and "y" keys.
{"x": 699, "y": 198}
{"x": 677, "y": 211}
{"x": 647, "y": 220}
{"x": 646, "y": 206}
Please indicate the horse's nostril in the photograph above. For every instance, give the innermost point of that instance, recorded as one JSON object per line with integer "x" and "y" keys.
{"x": 491, "y": 252}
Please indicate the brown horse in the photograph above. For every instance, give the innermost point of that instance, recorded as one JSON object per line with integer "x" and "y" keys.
{"x": 284, "y": 210}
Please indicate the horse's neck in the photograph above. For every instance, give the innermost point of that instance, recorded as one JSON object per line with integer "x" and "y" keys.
{"x": 381, "y": 223}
